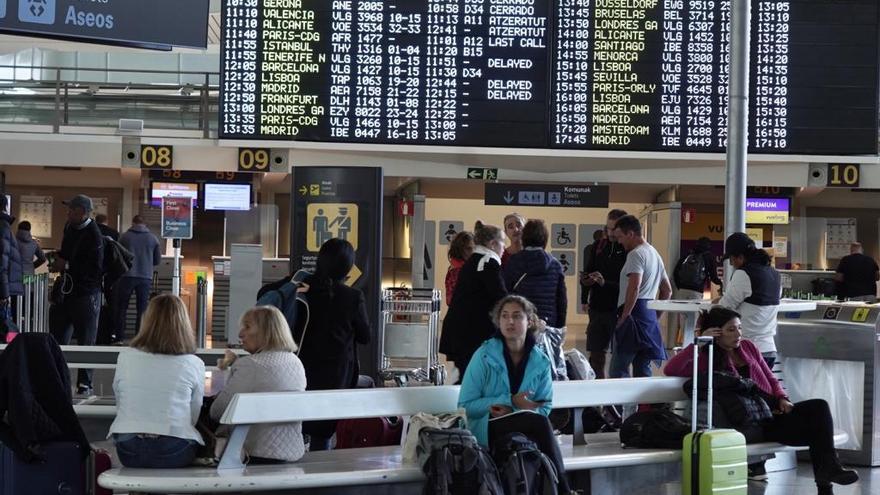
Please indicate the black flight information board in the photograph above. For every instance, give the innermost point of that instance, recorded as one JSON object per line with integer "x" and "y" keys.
{"x": 637, "y": 75}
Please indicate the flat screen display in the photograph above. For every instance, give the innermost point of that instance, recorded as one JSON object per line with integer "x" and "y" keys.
{"x": 639, "y": 75}
{"x": 228, "y": 197}
{"x": 767, "y": 210}
{"x": 159, "y": 190}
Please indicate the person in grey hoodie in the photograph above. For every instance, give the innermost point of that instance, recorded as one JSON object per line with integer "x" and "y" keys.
{"x": 145, "y": 246}
{"x": 32, "y": 256}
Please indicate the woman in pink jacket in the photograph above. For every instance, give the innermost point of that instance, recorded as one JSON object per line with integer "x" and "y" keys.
{"x": 806, "y": 423}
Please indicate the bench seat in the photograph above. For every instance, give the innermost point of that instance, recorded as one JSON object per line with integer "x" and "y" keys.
{"x": 376, "y": 466}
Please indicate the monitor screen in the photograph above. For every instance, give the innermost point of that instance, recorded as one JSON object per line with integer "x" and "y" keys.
{"x": 181, "y": 189}
{"x": 228, "y": 197}
{"x": 767, "y": 210}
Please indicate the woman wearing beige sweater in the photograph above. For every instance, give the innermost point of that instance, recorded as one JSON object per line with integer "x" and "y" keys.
{"x": 271, "y": 367}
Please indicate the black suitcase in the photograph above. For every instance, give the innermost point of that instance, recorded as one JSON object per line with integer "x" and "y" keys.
{"x": 62, "y": 473}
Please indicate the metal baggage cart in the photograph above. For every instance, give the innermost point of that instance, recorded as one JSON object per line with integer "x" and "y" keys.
{"x": 410, "y": 336}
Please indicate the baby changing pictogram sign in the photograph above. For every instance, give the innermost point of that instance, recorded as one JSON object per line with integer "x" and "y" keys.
{"x": 331, "y": 220}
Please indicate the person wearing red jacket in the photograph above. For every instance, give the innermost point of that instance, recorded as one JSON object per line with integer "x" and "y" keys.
{"x": 805, "y": 423}
{"x": 460, "y": 249}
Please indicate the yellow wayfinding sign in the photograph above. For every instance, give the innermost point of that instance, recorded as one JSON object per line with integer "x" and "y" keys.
{"x": 326, "y": 221}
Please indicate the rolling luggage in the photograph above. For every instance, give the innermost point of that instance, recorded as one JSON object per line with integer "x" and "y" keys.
{"x": 61, "y": 473}
{"x": 368, "y": 432}
{"x": 714, "y": 461}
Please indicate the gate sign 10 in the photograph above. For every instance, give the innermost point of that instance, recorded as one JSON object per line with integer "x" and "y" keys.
{"x": 156, "y": 24}
{"x": 646, "y": 75}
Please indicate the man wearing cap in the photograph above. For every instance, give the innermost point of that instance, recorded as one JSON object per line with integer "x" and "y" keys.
{"x": 10, "y": 268}
{"x": 753, "y": 292}
{"x": 80, "y": 261}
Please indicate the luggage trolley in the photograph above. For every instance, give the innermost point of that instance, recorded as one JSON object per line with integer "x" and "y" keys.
{"x": 410, "y": 336}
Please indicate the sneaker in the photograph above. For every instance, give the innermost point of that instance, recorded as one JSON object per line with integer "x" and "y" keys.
{"x": 83, "y": 391}
{"x": 757, "y": 472}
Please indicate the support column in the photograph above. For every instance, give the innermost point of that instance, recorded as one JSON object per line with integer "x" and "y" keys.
{"x": 737, "y": 123}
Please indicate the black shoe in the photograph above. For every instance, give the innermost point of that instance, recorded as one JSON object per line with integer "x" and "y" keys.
{"x": 838, "y": 475}
{"x": 757, "y": 472}
{"x": 83, "y": 391}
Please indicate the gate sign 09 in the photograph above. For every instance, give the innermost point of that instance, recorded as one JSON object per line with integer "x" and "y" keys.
{"x": 155, "y": 24}
{"x": 641, "y": 75}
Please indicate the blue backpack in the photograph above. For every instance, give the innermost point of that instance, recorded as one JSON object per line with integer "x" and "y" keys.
{"x": 292, "y": 304}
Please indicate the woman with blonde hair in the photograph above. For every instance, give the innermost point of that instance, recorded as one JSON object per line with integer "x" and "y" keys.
{"x": 159, "y": 384}
{"x": 271, "y": 367}
{"x": 480, "y": 286}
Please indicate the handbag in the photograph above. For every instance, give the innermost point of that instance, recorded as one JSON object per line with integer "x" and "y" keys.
{"x": 425, "y": 420}
{"x": 739, "y": 398}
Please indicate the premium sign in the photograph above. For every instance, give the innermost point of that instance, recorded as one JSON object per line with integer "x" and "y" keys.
{"x": 155, "y": 24}
{"x": 767, "y": 210}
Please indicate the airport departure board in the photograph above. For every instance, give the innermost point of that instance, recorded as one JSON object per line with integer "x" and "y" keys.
{"x": 639, "y": 75}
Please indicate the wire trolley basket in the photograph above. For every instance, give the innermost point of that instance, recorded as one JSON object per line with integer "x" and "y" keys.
{"x": 410, "y": 336}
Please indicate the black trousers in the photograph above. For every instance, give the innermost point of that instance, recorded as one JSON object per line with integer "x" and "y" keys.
{"x": 538, "y": 429}
{"x": 809, "y": 424}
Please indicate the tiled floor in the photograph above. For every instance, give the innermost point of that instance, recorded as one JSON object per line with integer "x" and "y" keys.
{"x": 799, "y": 482}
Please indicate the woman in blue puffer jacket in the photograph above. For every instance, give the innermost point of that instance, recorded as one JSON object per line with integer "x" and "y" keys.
{"x": 507, "y": 386}
{"x": 536, "y": 275}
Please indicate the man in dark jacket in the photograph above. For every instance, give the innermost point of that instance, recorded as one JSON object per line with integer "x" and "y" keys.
{"x": 601, "y": 278}
{"x": 537, "y": 276}
{"x": 145, "y": 247}
{"x": 10, "y": 268}
{"x": 106, "y": 230}
{"x": 81, "y": 262}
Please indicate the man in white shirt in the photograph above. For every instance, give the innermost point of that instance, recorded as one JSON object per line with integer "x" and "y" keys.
{"x": 637, "y": 339}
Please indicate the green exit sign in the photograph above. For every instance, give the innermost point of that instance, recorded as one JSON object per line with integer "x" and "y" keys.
{"x": 482, "y": 173}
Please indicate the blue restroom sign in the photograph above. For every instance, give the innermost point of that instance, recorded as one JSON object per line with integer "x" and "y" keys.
{"x": 155, "y": 24}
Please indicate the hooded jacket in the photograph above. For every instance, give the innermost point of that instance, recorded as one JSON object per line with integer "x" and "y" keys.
{"x": 35, "y": 397}
{"x": 536, "y": 275}
{"x": 467, "y": 323}
{"x": 486, "y": 383}
{"x": 29, "y": 249}
{"x": 145, "y": 248}
{"x": 10, "y": 260}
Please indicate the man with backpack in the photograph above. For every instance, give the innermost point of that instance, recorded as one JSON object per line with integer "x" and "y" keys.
{"x": 694, "y": 270}
{"x": 77, "y": 295}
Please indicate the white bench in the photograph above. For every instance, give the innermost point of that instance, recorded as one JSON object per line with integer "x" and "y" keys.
{"x": 383, "y": 465}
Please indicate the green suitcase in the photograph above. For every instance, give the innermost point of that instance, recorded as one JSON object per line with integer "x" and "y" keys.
{"x": 714, "y": 461}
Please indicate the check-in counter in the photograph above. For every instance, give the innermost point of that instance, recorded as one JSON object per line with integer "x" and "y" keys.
{"x": 796, "y": 283}
{"x": 833, "y": 353}
{"x": 273, "y": 269}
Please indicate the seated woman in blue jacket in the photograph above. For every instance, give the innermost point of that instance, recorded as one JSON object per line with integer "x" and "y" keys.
{"x": 507, "y": 386}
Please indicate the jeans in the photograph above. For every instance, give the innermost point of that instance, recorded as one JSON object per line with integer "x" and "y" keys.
{"x": 77, "y": 316}
{"x": 620, "y": 362}
{"x": 122, "y": 294}
{"x": 160, "y": 452}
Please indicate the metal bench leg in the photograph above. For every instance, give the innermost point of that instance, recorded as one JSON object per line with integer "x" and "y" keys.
{"x": 577, "y": 426}
{"x": 232, "y": 454}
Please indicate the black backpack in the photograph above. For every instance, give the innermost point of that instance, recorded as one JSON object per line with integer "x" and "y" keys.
{"x": 524, "y": 469}
{"x": 691, "y": 272}
{"x": 659, "y": 429}
{"x": 117, "y": 261}
{"x": 455, "y": 463}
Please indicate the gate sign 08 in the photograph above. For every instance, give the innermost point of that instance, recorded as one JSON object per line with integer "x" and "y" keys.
{"x": 155, "y": 24}
{"x": 641, "y": 75}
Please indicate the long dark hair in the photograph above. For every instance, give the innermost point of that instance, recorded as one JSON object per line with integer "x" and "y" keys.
{"x": 758, "y": 256}
{"x": 716, "y": 317}
{"x": 335, "y": 259}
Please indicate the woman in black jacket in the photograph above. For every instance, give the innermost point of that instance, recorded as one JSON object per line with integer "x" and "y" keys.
{"x": 337, "y": 322}
{"x": 480, "y": 286}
